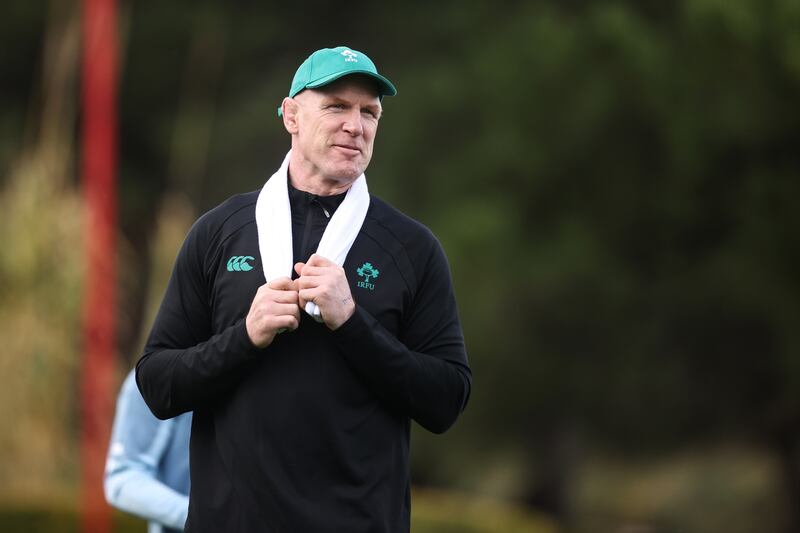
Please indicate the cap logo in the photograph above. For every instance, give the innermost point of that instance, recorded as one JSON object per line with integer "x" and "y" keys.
{"x": 351, "y": 56}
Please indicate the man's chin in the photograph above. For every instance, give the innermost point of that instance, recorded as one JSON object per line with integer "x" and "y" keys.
{"x": 348, "y": 173}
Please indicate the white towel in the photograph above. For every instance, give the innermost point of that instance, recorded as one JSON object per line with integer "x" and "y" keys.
{"x": 274, "y": 223}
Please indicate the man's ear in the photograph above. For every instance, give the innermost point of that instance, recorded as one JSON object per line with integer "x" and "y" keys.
{"x": 290, "y": 112}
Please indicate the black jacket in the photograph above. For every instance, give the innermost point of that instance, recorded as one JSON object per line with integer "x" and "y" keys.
{"x": 311, "y": 433}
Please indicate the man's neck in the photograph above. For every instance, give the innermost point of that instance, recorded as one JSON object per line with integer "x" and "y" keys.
{"x": 316, "y": 184}
{"x": 320, "y": 188}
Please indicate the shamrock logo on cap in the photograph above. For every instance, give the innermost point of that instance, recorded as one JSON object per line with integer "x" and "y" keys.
{"x": 349, "y": 55}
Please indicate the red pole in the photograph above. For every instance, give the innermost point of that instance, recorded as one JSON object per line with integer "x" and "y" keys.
{"x": 99, "y": 138}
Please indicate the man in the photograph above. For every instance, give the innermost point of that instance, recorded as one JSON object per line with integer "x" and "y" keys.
{"x": 147, "y": 469}
{"x": 303, "y": 388}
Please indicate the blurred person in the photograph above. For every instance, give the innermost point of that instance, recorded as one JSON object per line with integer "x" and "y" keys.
{"x": 303, "y": 388}
{"x": 147, "y": 469}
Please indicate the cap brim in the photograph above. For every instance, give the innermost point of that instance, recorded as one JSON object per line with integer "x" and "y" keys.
{"x": 385, "y": 86}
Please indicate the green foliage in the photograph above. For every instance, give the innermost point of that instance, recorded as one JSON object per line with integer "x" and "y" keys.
{"x": 40, "y": 287}
{"x": 619, "y": 163}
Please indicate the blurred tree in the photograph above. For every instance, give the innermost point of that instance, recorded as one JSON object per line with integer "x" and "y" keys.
{"x": 614, "y": 184}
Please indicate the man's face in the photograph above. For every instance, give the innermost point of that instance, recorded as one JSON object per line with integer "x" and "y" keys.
{"x": 335, "y": 129}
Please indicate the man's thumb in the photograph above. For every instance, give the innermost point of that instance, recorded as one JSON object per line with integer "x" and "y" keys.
{"x": 281, "y": 284}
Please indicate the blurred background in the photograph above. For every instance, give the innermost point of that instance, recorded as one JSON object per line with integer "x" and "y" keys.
{"x": 615, "y": 185}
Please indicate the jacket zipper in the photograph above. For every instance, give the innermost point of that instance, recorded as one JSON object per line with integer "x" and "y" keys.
{"x": 309, "y": 223}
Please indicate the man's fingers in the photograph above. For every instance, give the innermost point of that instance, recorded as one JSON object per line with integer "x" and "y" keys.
{"x": 319, "y": 261}
{"x": 308, "y": 282}
{"x": 265, "y": 314}
{"x": 281, "y": 284}
{"x": 314, "y": 267}
{"x": 274, "y": 309}
{"x": 308, "y": 295}
{"x": 285, "y": 296}
{"x": 305, "y": 296}
{"x": 291, "y": 322}
{"x": 286, "y": 323}
{"x": 309, "y": 270}
{"x": 289, "y": 309}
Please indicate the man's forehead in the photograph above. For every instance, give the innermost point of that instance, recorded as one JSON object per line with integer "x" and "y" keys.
{"x": 357, "y": 84}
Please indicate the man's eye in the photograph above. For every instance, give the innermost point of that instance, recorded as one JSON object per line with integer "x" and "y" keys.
{"x": 368, "y": 112}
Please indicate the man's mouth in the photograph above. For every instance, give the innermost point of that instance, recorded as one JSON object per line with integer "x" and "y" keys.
{"x": 348, "y": 149}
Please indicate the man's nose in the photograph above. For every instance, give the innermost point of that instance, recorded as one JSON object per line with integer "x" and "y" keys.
{"x": 353, "y": 124}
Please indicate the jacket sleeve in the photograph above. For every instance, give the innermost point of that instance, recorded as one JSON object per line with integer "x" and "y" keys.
{"x": 138, "y": 442}
{"x": 185, "y": 364}
{"x": 426, "y": 376}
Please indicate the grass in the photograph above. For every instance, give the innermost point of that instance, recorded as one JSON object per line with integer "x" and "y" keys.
{"x": 438, "y": 511}
{"x": 708, "y": 489}
{"x": 432, "y": 512}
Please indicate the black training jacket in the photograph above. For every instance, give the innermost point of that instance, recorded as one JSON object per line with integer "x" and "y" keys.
{"x": 310, "y": 434}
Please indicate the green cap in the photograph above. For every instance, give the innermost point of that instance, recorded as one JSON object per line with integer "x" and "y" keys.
{"x": 329, "y": 64}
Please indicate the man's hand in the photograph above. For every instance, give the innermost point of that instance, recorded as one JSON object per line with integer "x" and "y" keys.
{"x": 274, "y": 309}
{"x": 323, "y": 282}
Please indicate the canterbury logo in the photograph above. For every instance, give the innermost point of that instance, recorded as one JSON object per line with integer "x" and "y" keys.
{"x": 238, "y": 263}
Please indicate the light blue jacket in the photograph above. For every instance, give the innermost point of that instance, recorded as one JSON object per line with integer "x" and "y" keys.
{"x": 147, "y": 469}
